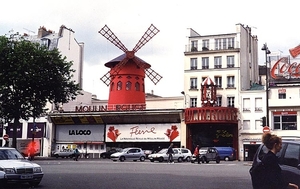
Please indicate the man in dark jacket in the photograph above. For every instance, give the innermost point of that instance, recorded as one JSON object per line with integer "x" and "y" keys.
{"x": 170, "y": 152}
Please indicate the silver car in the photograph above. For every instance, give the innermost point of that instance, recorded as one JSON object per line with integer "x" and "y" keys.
{"x": 180, "y": 154}
{"x": 19, "y": 169}
{"x": 129, "y": 154}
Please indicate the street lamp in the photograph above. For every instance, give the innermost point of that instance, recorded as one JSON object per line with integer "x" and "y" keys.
{"x": 267, "y": 51}
{"x": 186, "y": 101}
{"x": 182, "y": 92}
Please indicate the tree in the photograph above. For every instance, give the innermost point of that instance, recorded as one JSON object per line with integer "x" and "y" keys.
{"x": 30, "y": 76}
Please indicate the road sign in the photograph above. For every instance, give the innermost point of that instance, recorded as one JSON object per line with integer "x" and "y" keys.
{"x": 5, "y": 137}
{"x": 266, "y": 129}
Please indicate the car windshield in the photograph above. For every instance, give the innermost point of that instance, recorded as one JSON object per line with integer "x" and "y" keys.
{"x": 6, "y": 154}
{"x": 162, "y": 151}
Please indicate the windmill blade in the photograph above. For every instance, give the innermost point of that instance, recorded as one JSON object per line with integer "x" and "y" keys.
{"x": 153, "y": 76}
{"x": 107, "y": 77}
{"x": 149, "y": 34}
{"x": 110, "y": 36}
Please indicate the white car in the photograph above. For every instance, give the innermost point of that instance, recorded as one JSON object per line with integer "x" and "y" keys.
{"x": 18, "y": 169}
{"x": 65, "y": 153}
{"x": 180, "y": 154}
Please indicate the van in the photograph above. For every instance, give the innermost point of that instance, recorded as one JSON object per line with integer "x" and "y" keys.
{"x": 227, "y": 153}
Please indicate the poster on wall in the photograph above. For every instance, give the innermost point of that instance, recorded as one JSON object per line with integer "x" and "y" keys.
{"x": 80, "y": 133}
{"x": 143, "y": 133}
{"x": 10, "y": 130}
{"x": 38, "y": 131}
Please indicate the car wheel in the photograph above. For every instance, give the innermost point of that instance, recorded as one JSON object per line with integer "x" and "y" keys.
{"x": 160, "y": 159}
{"x": 203, "y": 159}
{"x": 226, "y": 159}
{"x": 218, "y": 160}
{"x": 56, "y": 155}
{"x": 180, "y": 159}
{"x": 188, "y": 159}
{"x": 122, "y": 158}
{"x": 142, "y": 158}
{"x": 151, "y": 160}
{"x": 207, "y": 161}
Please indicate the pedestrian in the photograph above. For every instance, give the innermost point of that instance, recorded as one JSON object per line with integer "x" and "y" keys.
{"x": 170, "y": 153}
{"x": 272, "y": 174}
{"x": 196, "y": 154}
{"x": 76, "y": 154}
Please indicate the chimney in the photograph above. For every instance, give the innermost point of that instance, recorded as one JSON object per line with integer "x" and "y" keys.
{"x": 43, "y": 32}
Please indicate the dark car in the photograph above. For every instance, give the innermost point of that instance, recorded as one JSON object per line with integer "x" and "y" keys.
{"x": 289, "y": 159}
{"x": 109, "y": 152}
{"x": 208, "y": 154}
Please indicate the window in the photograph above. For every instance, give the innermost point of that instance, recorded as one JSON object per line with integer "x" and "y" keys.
{"x": 230, "y": 101}
{"x": 258, "y": 104}
{"x": 194, "y": 63}
{"x": 205, "y": 63}
{"x": 218, "y": 81}
{"x": 205, "y": 44}
{"x": 291, "y": 155}
{"x": 285, "y": 122}
{"x": 119, "y": 86}
{"x": 230, "y": 61}
{"x": 246, "y": 104}
{"x": 282, "y": 96}
{"x": 218, "y": 44}
{"x": 193, "y": 83}
{"x": 137, "y": 86}
{"x": 218, "y": 62}
{"x": 246, "y": 124}
{"x": 230, "y": 81}
{"x": 193, "y": 102}
{"x": 194, "y": 46}
{"x": 230, "y": 43}
{"x": 128, "y": 86}
{"x": 219, "y": 101}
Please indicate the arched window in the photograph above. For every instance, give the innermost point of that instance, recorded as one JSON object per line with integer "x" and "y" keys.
{"x": 112, "y": 86}
{"x": 119, "y": 86}
{"x": 128, "y": 86}
{"x": 137, "y": 86}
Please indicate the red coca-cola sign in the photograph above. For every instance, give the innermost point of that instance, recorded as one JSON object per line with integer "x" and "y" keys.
{"x": 285, "y": 69}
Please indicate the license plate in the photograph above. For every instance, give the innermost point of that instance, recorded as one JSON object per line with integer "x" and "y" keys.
{"x": 26, "y": 176}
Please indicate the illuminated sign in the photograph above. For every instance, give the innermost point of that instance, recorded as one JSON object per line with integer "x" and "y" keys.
{"x": 117, "y": 107}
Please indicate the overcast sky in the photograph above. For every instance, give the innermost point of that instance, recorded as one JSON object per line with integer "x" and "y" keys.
{"x": 274, "y": 22}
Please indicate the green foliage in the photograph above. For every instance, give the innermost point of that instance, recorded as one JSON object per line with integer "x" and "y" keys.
{"x": 30, "y": 76}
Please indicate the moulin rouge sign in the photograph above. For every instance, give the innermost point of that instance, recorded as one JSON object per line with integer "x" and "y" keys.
{"x": 119, "y": 107}
{"x": 286, "y": 69}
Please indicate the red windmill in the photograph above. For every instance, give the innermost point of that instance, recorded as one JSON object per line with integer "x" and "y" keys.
{"x": 127, "y": 73}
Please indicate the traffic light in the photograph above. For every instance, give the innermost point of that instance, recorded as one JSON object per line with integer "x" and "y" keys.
{"x": 264, "y": 121}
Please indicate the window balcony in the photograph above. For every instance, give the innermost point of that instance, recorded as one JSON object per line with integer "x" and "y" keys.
{"x": 218, "y": 66}
{"x": 230, "y": 65}
{"x": 193, "y": 67}
{"x": 204, "y": 67}
{"x": 230, "y": 85}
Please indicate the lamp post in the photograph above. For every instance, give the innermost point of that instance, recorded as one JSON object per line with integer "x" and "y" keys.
{"x": 267, "y": 51}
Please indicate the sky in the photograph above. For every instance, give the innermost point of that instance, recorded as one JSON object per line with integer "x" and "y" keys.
{"x": 274, "y": 22}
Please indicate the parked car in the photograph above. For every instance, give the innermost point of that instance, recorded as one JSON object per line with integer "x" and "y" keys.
{"x": 227, "y": 153}
{"x": 129, "y": 154}
{"x": 180, "y": 154}
{"x": 288, "y": 157}
{"x": 109, "y": 152}
{"x": 65, "y": 153}
{"x": 208, "y": 154}
{"x": 18, "y": 169}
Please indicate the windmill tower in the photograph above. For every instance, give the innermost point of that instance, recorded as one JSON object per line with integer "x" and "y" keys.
{"x": 127, "y": 73}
